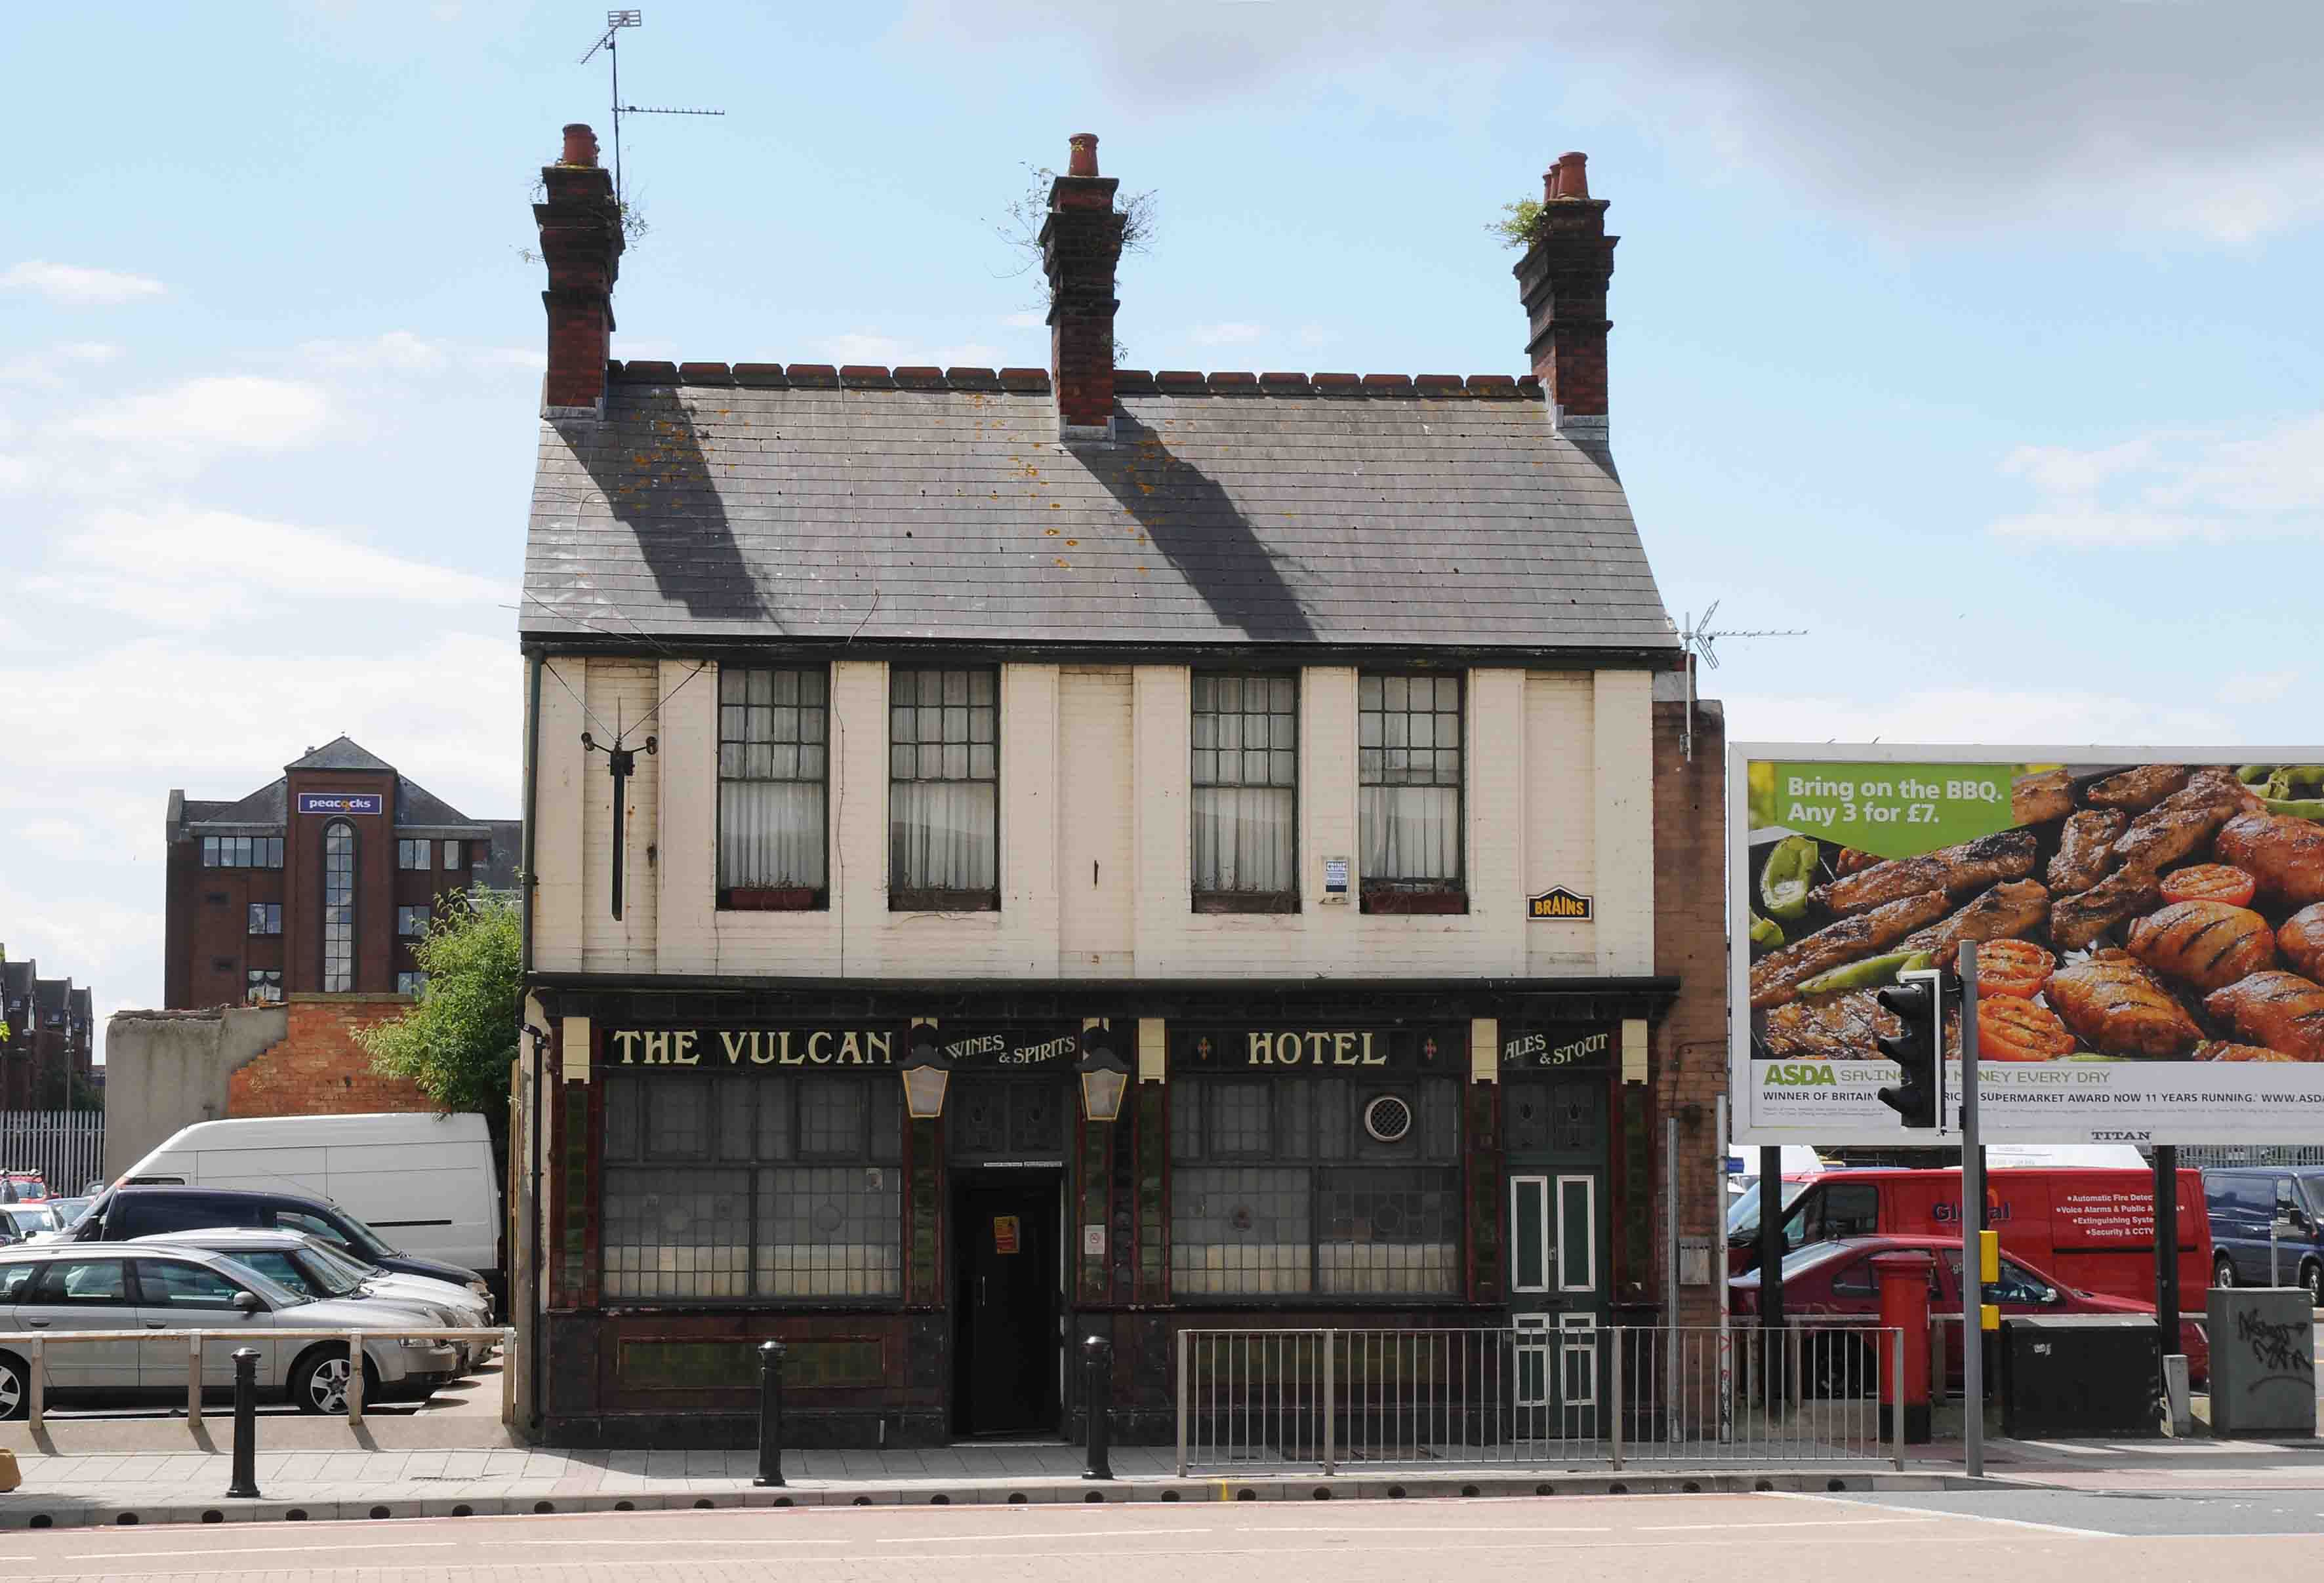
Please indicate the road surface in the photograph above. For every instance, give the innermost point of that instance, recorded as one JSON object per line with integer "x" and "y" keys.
{"x": 2007, "y": 1536}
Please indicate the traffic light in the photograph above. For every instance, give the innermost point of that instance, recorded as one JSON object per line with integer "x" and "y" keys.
{"x": 1917, "y": 999}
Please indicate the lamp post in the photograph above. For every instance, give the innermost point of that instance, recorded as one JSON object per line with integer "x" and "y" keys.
{"x": 1104, "y": 1079}
{"x": 925, "y": 1077}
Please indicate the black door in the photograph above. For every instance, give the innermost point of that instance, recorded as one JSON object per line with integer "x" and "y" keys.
{"x": 1005, "y": 1379}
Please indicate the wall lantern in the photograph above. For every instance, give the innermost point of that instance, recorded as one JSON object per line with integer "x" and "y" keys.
{"x": 1104, "y": 1076}
{"x": 925, "y": 1076}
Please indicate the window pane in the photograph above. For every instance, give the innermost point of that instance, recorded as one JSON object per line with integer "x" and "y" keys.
{"x": 1389, "y": 1230}
{"x": 1241, "y": 1230}
{"x": 829, "y": 1231}
{"x": 1245, "y": 840}
{"x": 1529, "y": 1217}
{"x": 1241, "y": 1119}
{"x": 677, "y": 1118}
{"x": 676, "y": 1233}
{"x": 339, "y": 908}
{"x": 942, "y": 837}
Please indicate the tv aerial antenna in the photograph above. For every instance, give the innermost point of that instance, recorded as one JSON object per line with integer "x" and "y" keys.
{"x": 1698, "y": 639}
{"x": 615, "y": 20}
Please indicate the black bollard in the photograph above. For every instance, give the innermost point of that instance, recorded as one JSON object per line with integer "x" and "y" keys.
{"x": 244, "y": 1486}
{"x": 1097, "y": 1392}
{"x": 771, "y": 1416}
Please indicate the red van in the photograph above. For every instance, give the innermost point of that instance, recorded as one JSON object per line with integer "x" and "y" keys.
{"x": 2093, "y": 1230}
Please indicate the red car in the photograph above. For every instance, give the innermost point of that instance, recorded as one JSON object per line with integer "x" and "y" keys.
{"x": 1829, "y": 1282}
{"x": 24, "y": 1187}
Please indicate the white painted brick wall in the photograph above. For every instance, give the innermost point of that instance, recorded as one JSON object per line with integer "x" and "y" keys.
{"x": 1094, "y": 771}
{"x": 620, "y": 694}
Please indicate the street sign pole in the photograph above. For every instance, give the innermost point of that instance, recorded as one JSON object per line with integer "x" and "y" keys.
{"x": 1972, "y": 1221}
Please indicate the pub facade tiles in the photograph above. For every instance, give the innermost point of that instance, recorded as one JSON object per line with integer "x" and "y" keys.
{"x": 1121, "y": 917}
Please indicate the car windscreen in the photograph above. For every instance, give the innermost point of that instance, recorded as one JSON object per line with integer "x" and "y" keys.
{"x": 276, "y": 1294}
{"x": 367, "y": 1240}
{"x": 1743, "y": 1214}
{"x": 2312, "y": 1188}
{"x": 349, "y": 1266}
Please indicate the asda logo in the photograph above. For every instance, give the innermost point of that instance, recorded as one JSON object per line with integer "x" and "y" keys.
{"x": 1799, "y": 1075}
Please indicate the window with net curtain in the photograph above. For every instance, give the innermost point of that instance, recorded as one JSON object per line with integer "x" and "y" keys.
{"x": 773, "y": 779}
{"x": 1408, "y": 777}
{"x": 1324, "y": 1188}
{"x": 754, "y": 1187}
{"x": 1245, "y": 782}
{"x": 943, "y": 791}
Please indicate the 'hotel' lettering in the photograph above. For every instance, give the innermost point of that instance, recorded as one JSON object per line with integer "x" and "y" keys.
{"x": 1290, "y": 1049}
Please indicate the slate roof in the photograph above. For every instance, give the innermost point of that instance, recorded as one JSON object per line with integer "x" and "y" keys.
{"x": 339, "y": 753}
{"x": 807, "y": 504}
{"x": 267, "y": 811}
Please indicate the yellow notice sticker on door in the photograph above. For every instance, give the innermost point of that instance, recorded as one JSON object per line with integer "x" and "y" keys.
{"x": 1004, "y": 1234}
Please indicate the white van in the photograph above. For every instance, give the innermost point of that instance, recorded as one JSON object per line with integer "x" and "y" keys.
{"x": 424, "y": 1182}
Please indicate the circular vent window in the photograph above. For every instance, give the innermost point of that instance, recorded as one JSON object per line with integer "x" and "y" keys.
{"x": 1387, "y": 1119}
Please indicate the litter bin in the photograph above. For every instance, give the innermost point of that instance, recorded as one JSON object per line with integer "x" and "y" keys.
{"x": 2088, "y": 1373}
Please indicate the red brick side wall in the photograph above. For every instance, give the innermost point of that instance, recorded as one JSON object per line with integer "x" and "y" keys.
{"x": 318, "y": 1069}
{"x": 1689, "y": 1046}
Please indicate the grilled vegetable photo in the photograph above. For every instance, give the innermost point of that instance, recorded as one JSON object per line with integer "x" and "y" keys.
{"x": 1783, "y": 883}
{"x": 2210, "y": 882}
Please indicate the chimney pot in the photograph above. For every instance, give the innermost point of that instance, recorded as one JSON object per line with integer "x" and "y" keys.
{"x": 1562, "y": 281}
{"x": 580, "y": 145}
{"x": 1083, "y": 160}
{"x": 1570, "y": 176}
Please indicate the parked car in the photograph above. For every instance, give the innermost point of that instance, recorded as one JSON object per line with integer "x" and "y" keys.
{"x": 2095, "y": 1228}
{"x": 1827, "y": 1282}
{"x": 22, "y": 1222}
{"x": 22, "y": 1187}
{"x": 146, "y": 1292}
{"x": 68, "y": 1210}
{"x": 315, "y": 1269}
{"x": 2245, "y": 1202}
{"x": 127, "y": 1213}
{"x": 427, "y": 1182}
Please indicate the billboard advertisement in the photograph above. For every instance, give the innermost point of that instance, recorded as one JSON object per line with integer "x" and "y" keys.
{"x": 2150, "y": 930}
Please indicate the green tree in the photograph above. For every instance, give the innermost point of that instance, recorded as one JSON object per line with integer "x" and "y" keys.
{"x": 458, "y": 1043}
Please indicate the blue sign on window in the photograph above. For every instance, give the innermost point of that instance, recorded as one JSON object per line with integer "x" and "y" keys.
{"x": 341, "y": 802}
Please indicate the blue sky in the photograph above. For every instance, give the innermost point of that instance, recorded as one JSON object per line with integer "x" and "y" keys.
{"x": 1986, "y": 356}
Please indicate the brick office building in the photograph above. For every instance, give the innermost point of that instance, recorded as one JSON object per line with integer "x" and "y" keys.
{"x": 317, "y": 883}
{"x": 1106, "y": 853}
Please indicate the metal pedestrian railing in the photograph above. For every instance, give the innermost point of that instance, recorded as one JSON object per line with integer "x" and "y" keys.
{"x": 32, "y": 1346}
{"x": 1328, "y": 1399}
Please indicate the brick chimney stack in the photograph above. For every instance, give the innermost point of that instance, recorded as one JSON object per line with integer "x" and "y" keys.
{"x": 581, "y": 243}
{"x": 1562, "y": 279}
{"x": 1081, "y": 244}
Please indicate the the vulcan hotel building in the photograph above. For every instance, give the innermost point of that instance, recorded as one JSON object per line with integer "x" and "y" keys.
{"x": 1079, "y": 851}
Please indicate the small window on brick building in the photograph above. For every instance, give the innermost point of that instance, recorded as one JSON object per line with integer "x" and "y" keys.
{"x": 452, "y": 855}
{"x": 415, "y": 854}
{"x": 218, "y": 964}
{"x": 264, "y": 985}
{"x": 409, "y": 983}
{"x": 266, "y": 917}
{"x": 410, "y": 921}
{"x": 242, "y": 852}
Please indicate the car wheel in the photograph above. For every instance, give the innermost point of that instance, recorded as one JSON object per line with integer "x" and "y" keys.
{"x": 15, "y": 1388}
{"x": 2223, "y": 1271}
{"x": 2312, "y": 1275}
{"x": 319, "y": 1381}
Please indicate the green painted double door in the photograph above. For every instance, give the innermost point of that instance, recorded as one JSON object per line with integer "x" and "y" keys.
{"x": 1554, "y": 1136}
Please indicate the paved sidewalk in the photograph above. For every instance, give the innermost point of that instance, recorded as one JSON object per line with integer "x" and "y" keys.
{"x": 79, "y": 1491}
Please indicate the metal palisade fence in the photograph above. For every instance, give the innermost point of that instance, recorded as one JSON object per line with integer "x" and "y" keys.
{"x": 1339, "y": 1400}
{"x": 66, "y": 1148}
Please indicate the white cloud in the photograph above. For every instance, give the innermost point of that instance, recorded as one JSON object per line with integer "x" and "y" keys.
{"x": 186, "y": 567}
{"x": 2173, "y": 487}
{"x": 246, "y": 413}
{"x": 403, "y": 352}
{"x": 1970, "y": 715}
{"x": 48, "y": 366}
{"x": 1228, "y": 335}
{"x": 888, "y": 352}
{"x": 77, "y": 285}
{"x": 2163, "y": 117}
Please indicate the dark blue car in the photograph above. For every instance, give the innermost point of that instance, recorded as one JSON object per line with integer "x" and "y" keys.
{"x": 2245, "y": 1201}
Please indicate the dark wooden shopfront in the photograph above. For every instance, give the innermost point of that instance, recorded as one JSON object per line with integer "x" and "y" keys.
{"x": 933, "y": 1278}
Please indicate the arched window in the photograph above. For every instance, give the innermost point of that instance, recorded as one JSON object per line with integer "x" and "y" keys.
{"x": 338, "y": 906}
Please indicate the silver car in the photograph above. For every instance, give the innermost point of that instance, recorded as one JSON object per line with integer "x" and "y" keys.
{"x": 147, "y": 1292}
{"x": 317, "y": 1269}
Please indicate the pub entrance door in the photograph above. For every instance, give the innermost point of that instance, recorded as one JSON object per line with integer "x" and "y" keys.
{"x": 1556, "y": 1137}
{"x": 1007, "y": 1302}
